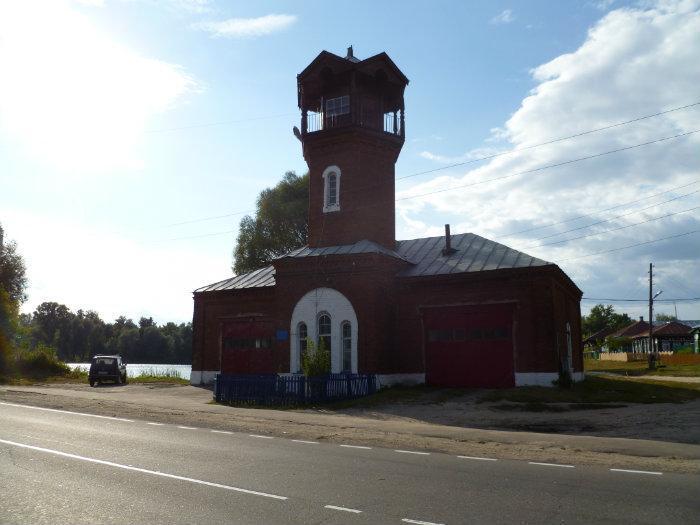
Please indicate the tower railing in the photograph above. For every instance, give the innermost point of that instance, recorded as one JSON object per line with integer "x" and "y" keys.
{"x": 391, "y": 123}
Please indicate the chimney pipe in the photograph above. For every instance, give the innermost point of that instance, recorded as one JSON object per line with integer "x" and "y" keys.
{"x": 448, "y": 250}
{"x": 350, "y": 55}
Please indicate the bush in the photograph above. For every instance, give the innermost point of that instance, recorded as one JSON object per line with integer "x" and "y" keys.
{"x": 316, "y": 361}
{"x": 684, "y": 350}
{"x": 41, "y": 362}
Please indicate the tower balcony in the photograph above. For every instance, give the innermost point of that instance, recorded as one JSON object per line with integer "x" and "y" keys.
{"x": 391, "y": 123}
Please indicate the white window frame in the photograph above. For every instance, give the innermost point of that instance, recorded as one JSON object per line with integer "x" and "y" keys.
{"x": 337, "y": 106}
{"x": 328, "y": 206}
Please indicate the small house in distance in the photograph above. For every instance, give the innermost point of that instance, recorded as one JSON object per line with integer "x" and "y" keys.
{"x": 454, "y": 310}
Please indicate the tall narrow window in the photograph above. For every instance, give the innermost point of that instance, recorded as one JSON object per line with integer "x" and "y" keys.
{"x": 302, "y": 334}
{"x": 331, "y": 189}
{"x": 347, "y": 346}
{"x": 324, "y": 330}
{"x": 338, "y": 106}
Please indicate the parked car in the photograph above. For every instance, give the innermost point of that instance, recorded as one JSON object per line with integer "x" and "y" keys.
{"x": 107, "y": 367}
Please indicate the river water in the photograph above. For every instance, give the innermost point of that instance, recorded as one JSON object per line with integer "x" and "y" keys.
{"x": 135, "y": 370}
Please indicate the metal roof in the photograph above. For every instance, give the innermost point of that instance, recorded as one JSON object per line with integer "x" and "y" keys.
{"x": 363, "y": 246}
{"x": 255, "y": 279}
{"x": 472, "y": 253}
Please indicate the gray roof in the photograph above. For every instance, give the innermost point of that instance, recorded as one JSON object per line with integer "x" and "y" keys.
{"x": 255, "y": 279}
{"x": 363, "y": 246}
{"x": 472, "y": 254}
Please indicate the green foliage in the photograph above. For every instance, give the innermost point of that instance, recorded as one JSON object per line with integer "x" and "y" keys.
{"x": 280, "y": 224}
{"x": 41, "y": 362}
{"x": 13, "y": 278}
{"x": 664, "y": 318}
{"x": 617, "y": 343}
{"x": 316, "y": 360}
{"x": 601, "y": 317}
{"x": 8, "y": 316}
{"x": 684, "y": 350}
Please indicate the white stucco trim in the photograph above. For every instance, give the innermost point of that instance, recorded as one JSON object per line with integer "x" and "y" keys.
{"x": 386, "y": 380}
{"x": 202, "y": 377}
{"x": 308, "y": 309}
{"x": 331, "y": 207}
{"x": 542, "y": 378}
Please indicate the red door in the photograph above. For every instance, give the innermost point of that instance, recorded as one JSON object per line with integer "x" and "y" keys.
{"x": 469, "y": 346}
{"x": 246, "y": 347}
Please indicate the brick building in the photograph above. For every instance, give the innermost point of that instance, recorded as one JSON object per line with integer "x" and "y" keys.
{"x": 458, "y": 310}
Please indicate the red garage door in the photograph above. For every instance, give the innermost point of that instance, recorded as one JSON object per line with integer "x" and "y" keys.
{"x": 246, "y": 347}
{"x": 469, "y": 346}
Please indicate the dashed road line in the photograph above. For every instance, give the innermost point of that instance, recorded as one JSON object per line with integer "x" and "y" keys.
{"x": 259, "y": 436}
{"x": 477, "y": 458}
{"x": 305, "y": 441}
{"x": 67, "y": 412}
{"x": 143, "y": 470}
{"x": 357, "y": 446}
{"x": 155, "y": 424}
{"x": 550, "y": 464}
{"x": 186, "y": 428}
{"x": 344, "y": 509}
{"x": 412, "y": 452}
{"x": 418, "y": 522}
{"x": 637, "y": 471}
{"x": 221, "y": 432}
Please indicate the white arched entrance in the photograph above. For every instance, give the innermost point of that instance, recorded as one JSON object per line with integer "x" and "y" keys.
{"x": 307, "y": 312}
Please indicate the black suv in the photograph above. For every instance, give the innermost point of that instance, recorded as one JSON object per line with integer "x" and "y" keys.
{"x": 109, "y": 367}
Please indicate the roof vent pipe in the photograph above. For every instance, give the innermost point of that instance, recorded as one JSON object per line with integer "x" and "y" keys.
{"x": 350, "y": 55}
{"x": 448, "y": 250}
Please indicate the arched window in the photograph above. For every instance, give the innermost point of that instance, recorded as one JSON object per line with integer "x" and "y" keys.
{"x": 331, "y": 189}
{"x": 302, "y": 334}
{"x": 346, "y": 330}
{"x": 324, "y": 330}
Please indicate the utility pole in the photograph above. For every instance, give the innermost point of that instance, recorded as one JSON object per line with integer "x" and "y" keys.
{"x": 651, "y": 308}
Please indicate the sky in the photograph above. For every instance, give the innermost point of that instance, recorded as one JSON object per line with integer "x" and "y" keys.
{"x": 135, "y": 134}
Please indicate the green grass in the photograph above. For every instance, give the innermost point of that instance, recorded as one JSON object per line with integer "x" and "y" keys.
{"x": 602, "y": 390}
{"x": 639, "y": 368}
{"x": 419, "y": 394}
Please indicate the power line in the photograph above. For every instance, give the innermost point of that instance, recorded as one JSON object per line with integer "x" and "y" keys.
{"x": 220, "y": 123}
{"x": 631, "y": 246}
{"x": 692, "y": 299}
{"x": 548, "y": 166}
{"x": 516, "y": 150}
{"x": 612, "y": 229}
{"x": 600, "y": 211}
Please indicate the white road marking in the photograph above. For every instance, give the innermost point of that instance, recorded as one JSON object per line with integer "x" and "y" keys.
{"x": 413, "y": 452}
{"x": 259, "y": 436}
{"x": 344, "y": 509}
{"x": 480, "y": 459}
{"x": 155, "y": 424}
{"x": 187, "y": 428}
{"x": 304, "y": 441}
{"x": 67, "y": 412}
{"x": 357, "y": 446}
{"x": 417, "y": 522}
{"x": 550, "y": 464}
{"x": 637, "y": 471}
{"x": 143, "y": 470}
{"x": 221, "y": 431}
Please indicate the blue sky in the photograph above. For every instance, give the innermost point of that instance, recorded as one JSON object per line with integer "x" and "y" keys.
{"x": 119, "y": 119}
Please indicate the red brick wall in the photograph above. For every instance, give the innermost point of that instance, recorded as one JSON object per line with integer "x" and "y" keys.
{"x": 366, "y": 161}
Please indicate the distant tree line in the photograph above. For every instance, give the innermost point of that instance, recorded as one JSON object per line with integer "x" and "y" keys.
{"x": 76, "y": 337}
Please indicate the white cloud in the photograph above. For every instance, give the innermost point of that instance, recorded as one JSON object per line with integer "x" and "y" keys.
{"x": 504, "y": 17}
{"x": 633, "y": 62}
{"x": 72, "y": 96}
{"x": 248, "y": 27}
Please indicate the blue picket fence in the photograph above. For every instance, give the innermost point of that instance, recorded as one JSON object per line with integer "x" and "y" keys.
{"x": 274, "y": 390}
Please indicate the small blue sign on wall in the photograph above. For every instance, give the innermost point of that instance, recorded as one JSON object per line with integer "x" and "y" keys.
{"x": 282, "y": 335}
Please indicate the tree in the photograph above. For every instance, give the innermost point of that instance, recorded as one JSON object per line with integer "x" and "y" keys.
{"x": 601, "y": 317}
{"x": 280, "y": 224}
{"x": 664, "y": 318}
{"x": 13, "y": 278}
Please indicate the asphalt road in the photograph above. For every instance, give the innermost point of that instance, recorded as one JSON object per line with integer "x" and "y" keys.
{"x": 59, "y": 467}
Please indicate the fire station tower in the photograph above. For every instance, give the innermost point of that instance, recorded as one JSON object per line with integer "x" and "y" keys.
{"x": 352, "y": 131}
